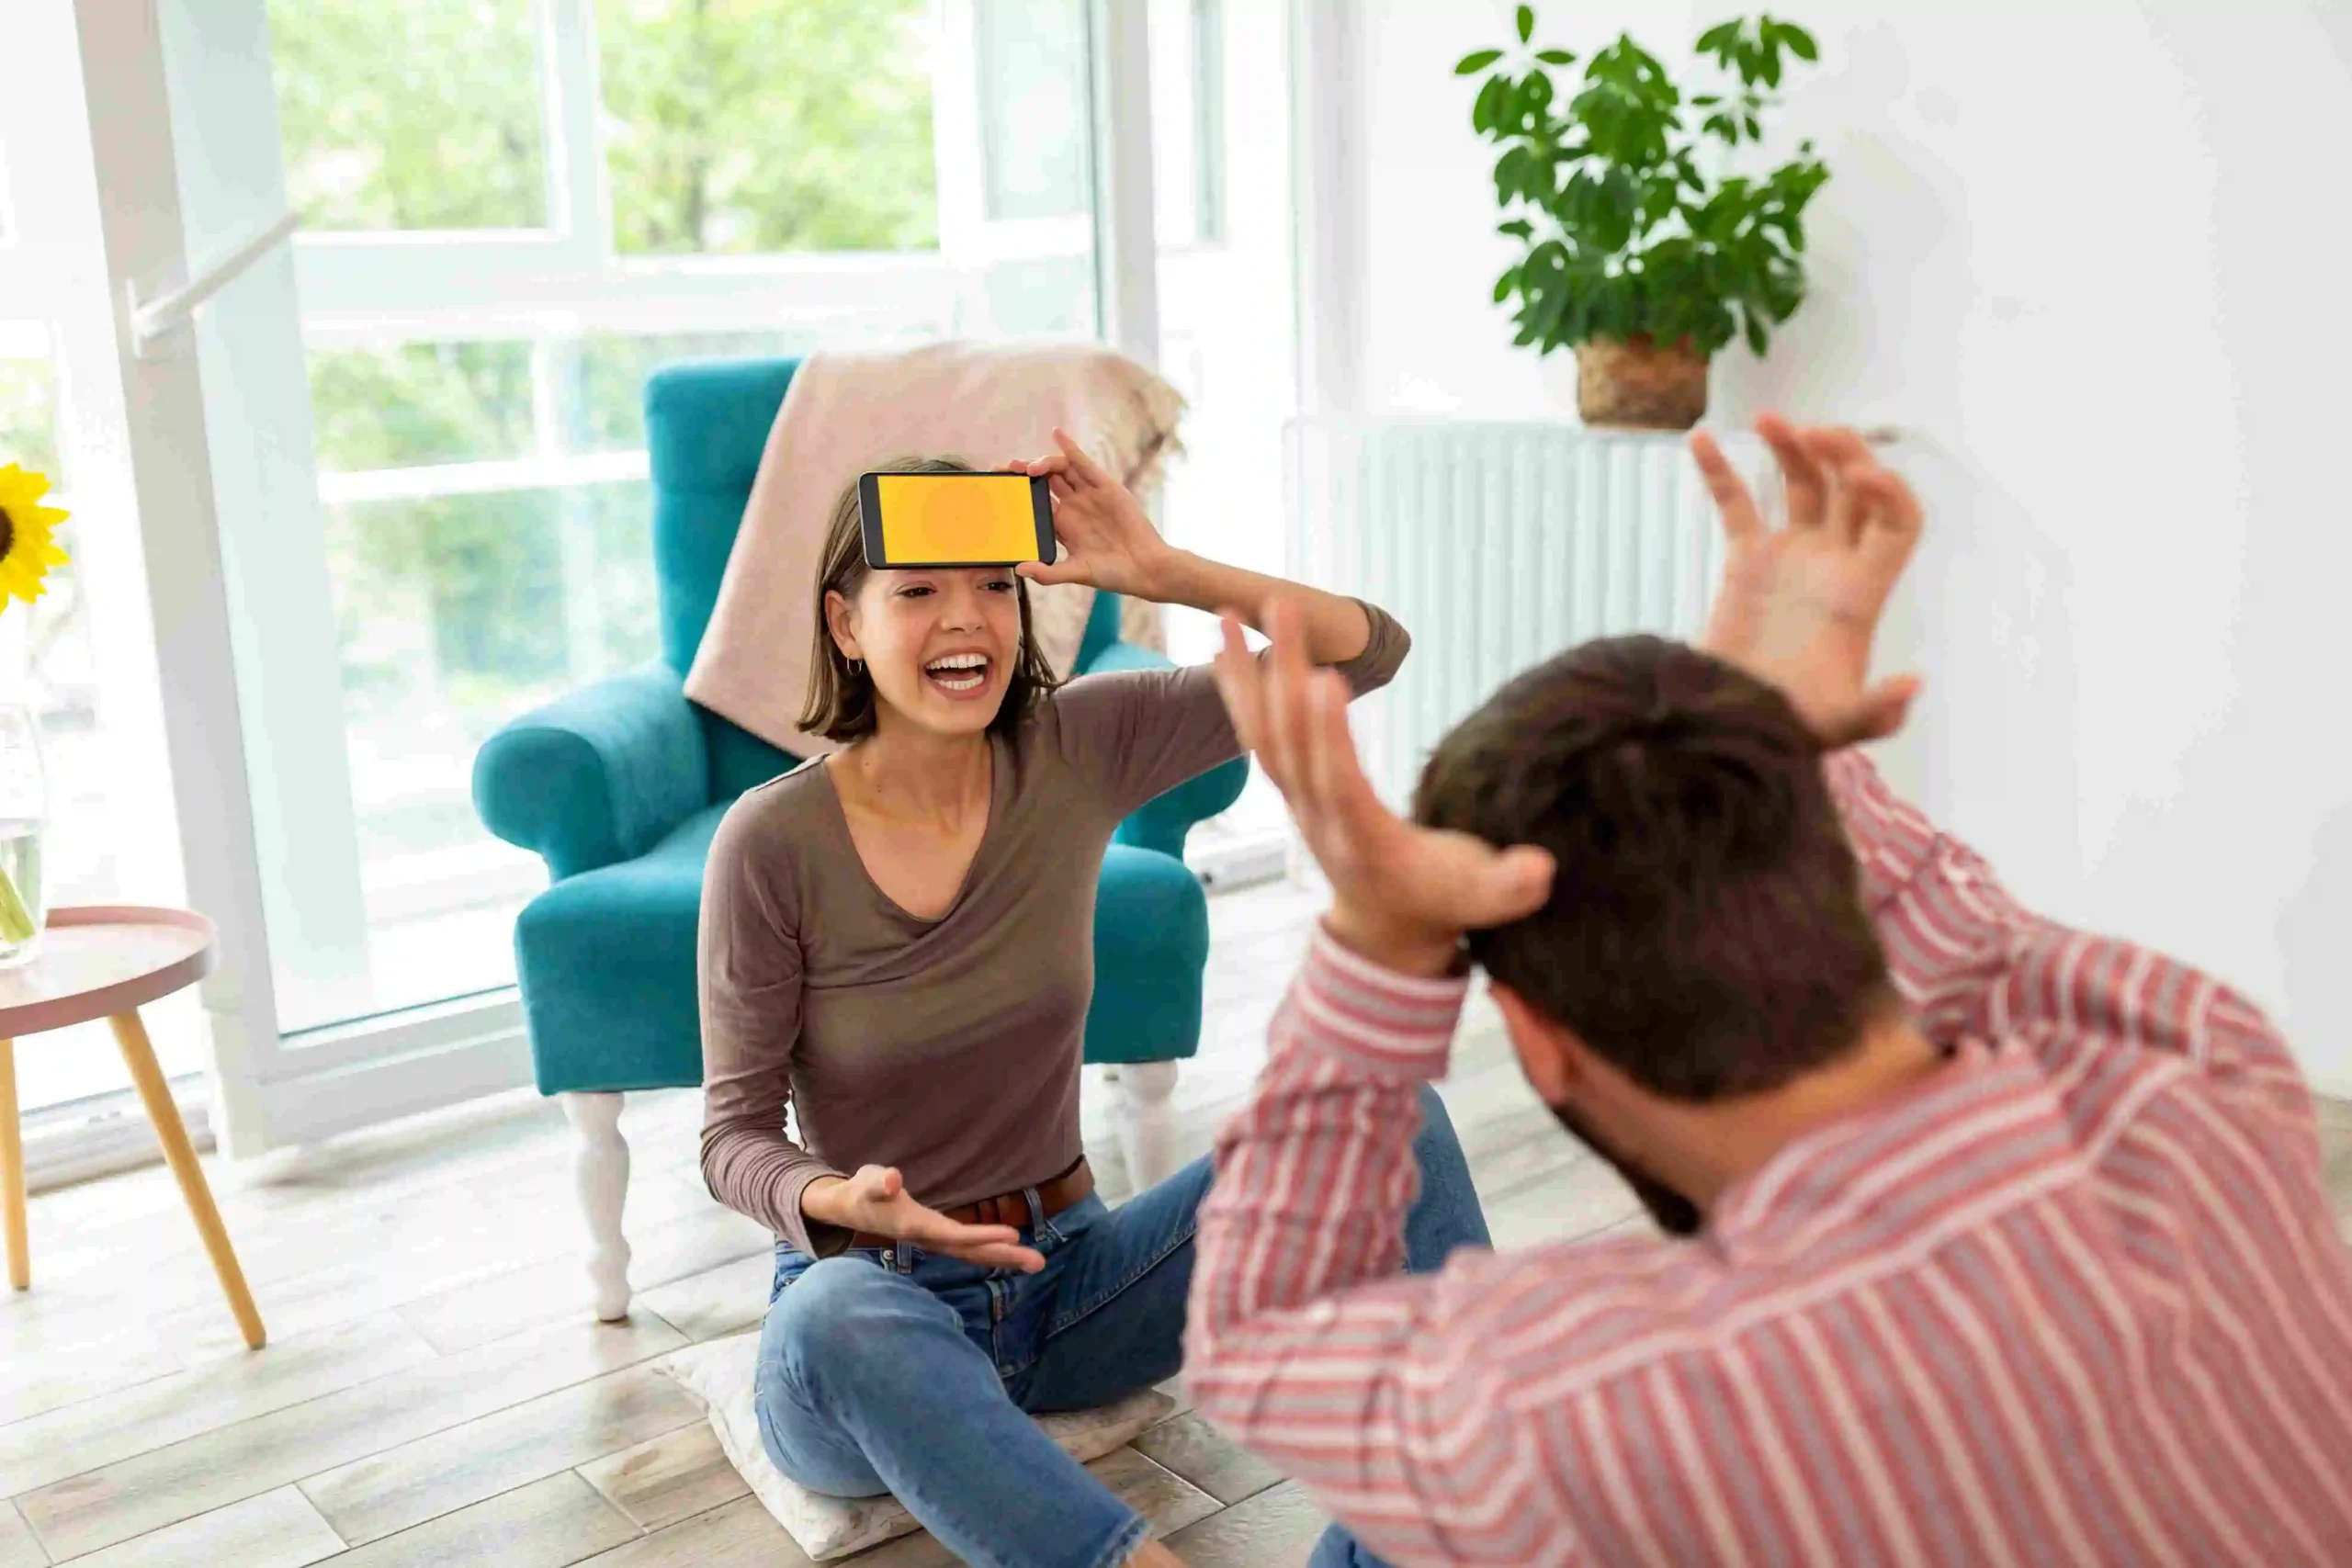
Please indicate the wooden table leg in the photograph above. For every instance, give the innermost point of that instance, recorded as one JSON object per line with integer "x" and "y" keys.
{"x": 12, "y": 1173}
{"x": 131, "y": 1035}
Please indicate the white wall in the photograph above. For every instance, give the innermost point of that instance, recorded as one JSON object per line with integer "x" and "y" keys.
{"x": 2092, "y": 257}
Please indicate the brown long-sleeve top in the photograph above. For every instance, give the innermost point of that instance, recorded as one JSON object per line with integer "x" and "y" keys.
{"x": 950, "y": 1047}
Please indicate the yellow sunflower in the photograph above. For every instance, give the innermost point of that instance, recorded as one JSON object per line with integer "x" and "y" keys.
{"x": 28, "y": 546}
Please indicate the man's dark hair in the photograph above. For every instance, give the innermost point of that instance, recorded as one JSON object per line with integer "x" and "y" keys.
{"x": 1705, "y": 930}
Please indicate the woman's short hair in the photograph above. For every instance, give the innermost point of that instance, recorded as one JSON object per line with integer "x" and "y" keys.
{"x": 841, "y": 701}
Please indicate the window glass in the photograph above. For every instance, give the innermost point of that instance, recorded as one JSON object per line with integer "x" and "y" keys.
{"x": 480, "y": 453}
{"x": 1207, "y": 57}
{"x": 456, "y": 613}
{"x": 54, "y": 669}
{"x": 28, "y": 398}
{"x": 1188, "y": 120}
{"x": 1031, "y": 81}
{"x": 1220, "y": 81}
{"x": 740, "y": 125}
{"x": 420, "y": 403}
{"x": 418, "y": 114}
{"x": 605, "y": 376}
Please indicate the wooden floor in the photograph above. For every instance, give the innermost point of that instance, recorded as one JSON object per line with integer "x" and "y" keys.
{"x": 435, "y": 1392}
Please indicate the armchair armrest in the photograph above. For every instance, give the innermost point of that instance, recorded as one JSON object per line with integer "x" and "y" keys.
{"x": 596, "y": 776}
{"x": 1163, "y": 822}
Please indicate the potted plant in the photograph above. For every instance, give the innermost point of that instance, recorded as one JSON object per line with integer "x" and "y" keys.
{"x": 1640, "y": 247}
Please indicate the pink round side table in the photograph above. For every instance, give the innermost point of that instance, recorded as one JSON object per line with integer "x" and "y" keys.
{"x": 109, "y": 961}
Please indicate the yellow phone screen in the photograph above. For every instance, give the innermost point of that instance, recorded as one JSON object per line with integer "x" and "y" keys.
{"x": 940, "y": 519}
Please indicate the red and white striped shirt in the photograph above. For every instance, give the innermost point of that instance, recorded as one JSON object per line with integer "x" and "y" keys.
{"x": 2081, "y": 1299}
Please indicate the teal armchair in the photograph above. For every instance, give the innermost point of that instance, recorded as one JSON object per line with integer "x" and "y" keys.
{"x": 620, "y": 785}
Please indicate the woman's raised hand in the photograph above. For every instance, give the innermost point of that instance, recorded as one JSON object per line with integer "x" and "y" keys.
{"x": 875, "y": 1200}
{"x": 1106, "y": 540}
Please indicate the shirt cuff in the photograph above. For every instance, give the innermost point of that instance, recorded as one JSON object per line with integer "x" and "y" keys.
{"x": 1850, "y": 776}
{"x": 1395, "y": 1025}
{"x": 816, "y": 1238}
{"x": 1887, "y": 835}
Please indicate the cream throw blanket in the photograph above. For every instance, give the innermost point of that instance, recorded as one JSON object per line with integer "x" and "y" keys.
{"x": 843, "y": 414}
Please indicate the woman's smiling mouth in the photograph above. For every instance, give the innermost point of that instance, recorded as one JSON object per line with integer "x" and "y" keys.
{"x": 958, "y": 675}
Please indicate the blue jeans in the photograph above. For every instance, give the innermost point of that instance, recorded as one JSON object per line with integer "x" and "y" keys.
{"x": 902, "y": 1371}
{"x": 1338, "y": 1549}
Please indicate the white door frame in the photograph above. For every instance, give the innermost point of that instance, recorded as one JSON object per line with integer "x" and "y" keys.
{"x": 169, "y": 464}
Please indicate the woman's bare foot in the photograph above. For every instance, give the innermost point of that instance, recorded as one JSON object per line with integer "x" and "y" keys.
{"x": 1151, "y": 1554}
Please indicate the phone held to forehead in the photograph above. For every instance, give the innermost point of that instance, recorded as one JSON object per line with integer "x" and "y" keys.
{"x": 947, "y": 519}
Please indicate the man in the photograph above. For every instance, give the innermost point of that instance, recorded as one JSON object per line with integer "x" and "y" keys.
{"x": 2005, "y": 1244}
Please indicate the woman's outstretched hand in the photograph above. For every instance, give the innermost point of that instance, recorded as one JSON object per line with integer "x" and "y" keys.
{"x": 875, "y": 1200}
{"x": 1799, "y": 606}
{"x": 1106, "y": 540}
{"x": 1401, "y": 894}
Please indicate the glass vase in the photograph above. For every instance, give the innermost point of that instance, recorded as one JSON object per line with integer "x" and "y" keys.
{"x": 24, "y": 815}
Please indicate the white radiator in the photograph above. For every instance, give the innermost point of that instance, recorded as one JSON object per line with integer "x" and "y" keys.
{"x": 1497, "y": 546}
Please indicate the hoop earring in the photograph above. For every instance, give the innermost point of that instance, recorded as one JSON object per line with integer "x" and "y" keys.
{"x": 857, "y": 666}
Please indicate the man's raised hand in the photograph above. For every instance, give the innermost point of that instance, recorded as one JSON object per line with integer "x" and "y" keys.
{"x": 1402, "y": 894}
{"x": 1799, "y": 606}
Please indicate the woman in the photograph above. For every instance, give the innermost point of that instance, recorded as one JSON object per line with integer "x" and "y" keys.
{"x": 897, "y": 943}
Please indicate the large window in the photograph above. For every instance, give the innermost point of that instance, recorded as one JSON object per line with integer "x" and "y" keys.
{"x": 1219, "y": 87}
{"x": 512, "y": 212}
{"x": 1220, "y": 101}
{"x": 427, "y": 501}
{"x": 46, "y": 662}
{"x": 78, "y": 657}
{"x": 27, "y": 397}
{"x": 46, "y": 648}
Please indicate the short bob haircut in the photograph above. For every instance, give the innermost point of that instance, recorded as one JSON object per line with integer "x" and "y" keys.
{"x": 841, "y": 701}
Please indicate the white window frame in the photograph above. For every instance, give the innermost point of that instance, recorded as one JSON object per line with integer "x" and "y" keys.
{"x": 55, "y": 255}
{"x": 254, "y": 724}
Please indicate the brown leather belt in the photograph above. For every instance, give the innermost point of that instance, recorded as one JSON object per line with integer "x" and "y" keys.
{"x": 1053, "y": 1194}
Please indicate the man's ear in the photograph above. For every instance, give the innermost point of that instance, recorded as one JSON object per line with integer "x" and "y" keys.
{"x": 838, "y": 625}
{"x": 1547, "y": 1051}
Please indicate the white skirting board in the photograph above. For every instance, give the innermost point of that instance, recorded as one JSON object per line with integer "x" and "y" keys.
{"x": 99, "y": 1137}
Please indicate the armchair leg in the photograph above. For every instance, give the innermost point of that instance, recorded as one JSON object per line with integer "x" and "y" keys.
{"x": 600, "y": 1175}
{"x": 1147, "y": 1121}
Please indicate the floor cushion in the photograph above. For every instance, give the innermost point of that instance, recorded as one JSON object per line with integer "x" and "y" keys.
{"x": 720, "y": 1374}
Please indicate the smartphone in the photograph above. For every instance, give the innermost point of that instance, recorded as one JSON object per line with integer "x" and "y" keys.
{"x": 937, "y": 520}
